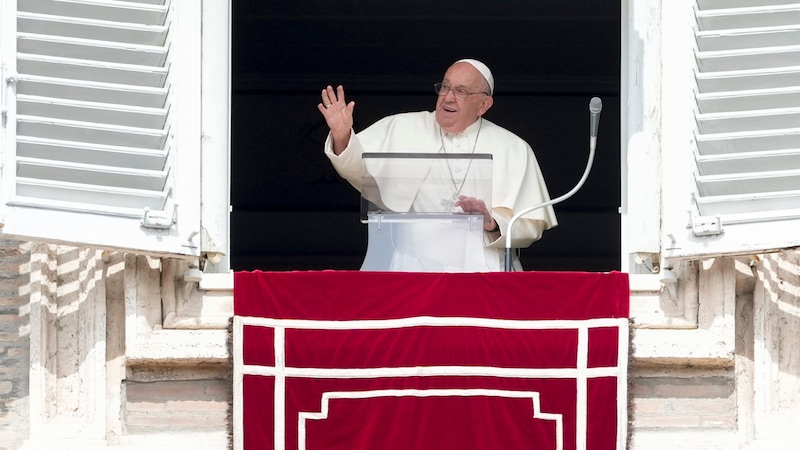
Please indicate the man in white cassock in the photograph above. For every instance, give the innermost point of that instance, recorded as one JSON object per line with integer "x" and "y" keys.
{"x": 456, "y": 126}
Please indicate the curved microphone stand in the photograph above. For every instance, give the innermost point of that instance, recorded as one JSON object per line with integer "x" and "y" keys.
{"x": 595, "y": 106}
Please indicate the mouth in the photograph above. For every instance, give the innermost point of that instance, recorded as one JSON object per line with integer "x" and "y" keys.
{"x": 448, "y": 109}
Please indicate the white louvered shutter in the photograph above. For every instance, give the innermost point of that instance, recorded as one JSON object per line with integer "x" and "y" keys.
{"x": 103, "y": 101}
{"x": 744, "y": 191}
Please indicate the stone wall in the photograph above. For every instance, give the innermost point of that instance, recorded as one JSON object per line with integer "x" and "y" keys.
{"x": 14, "y": 342}
{"x": 732, "y": 380}
{"x": 103, "y": 349}
{"x": 771, "y": 353}
{"x": 683, "y": 397}
{"x": 176, "y": 406}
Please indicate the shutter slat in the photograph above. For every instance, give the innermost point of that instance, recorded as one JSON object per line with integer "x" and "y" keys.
{"x": 758, "y": 207}
{"x": 736, "y": 163}
{"x": 69, "y": 130}
{"x": 748, "y": 120}
{"x": 757, "y": 99}
{"x": 114, "y": 11}
{"x": 722, "y": 4}
{"x": 70, "y": 27}
{"x": 727, "y": 60}
{"x": 103, "y": 51}
{"x": 748, "y": 38}
{"x": 87, "y": 153}
{"x": 748, "y": 183}
{"x": 772, "y": 140}
{"x": 743, "y": 80}
{"x": 749, "y": 17}
{"x": 62, "y": 88}
{"x": 107, "y": 176}
{"x": 51, "y": 193}
{"x": 93, "y": 112}
{"x": 87, "y": 70}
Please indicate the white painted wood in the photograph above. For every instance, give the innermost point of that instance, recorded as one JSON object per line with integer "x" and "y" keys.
{"x": 640, "y": 133}
{"x": 106, "y": 122}
{"x": 92, "y": 112}
{"x": 110, "y": 10}
{"x": 89, "y": 70}
{"x": 742, "y": 149}
{"x": 119, "y": 94}
{"x": 122, "y": 53}
{"x": 216, "y": 122}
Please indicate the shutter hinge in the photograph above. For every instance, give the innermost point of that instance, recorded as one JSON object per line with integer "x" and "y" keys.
{"x": 160, "y": 219}
{"x": 7, "y": 84}
{"x": 706, "y": 225}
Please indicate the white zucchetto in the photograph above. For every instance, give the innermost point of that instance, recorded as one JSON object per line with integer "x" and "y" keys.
{"x": 483, "y": 69}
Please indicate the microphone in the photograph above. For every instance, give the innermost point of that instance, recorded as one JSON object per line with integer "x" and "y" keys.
{"x": 595, "y": 106}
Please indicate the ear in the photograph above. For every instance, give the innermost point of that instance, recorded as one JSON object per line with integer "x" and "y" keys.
{"x": 487, "y": 103}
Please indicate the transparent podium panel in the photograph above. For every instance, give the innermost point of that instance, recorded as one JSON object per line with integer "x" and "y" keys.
{"x": 411, "y": 203}
{"x": 425, "y": 243}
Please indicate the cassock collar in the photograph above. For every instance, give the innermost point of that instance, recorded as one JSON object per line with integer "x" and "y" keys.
{"x": 469, "y": 130}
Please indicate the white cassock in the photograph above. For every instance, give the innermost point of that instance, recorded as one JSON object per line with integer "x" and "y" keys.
{"x": 517, "y": 184}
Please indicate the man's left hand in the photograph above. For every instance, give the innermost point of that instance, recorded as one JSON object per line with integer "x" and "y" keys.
{"x": 472, "y": 204}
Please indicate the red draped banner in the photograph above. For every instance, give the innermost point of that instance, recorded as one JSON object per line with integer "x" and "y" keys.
{"x": 367, "y": 360}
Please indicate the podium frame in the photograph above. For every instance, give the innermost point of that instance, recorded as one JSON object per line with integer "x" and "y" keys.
{"x": 408, "y": 199}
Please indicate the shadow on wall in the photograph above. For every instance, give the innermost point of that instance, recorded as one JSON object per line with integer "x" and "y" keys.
{"x": 780, "y": 313}
{"x": 52, "y": 299}
{"x": 15, "y": 278}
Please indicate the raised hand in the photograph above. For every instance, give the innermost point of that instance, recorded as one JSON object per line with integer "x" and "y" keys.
{"x": 338, "y": 115}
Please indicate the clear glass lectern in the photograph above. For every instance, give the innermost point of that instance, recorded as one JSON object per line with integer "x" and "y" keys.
{"x": 409, "y": 201}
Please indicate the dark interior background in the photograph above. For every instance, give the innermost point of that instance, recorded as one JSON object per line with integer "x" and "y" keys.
{"x": 291, "y": 211}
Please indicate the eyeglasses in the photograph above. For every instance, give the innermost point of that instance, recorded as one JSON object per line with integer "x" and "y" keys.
{"x": 460, "y": 93}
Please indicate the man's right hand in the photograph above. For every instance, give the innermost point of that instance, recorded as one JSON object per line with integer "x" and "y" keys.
{"x": 338, "y": 115}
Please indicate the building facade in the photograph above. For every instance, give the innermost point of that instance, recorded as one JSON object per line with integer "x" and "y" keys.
{"x": 121, "y": 339}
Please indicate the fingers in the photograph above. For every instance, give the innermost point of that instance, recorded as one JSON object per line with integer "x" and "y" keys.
{"x": 340, "y": 94}
{"x": 471, "y": 204}
{"x": 333, "y": 105}
{"x": 337, "y": 113}
{"x": 326, "y": 101}
{"x": 331, "y": 97}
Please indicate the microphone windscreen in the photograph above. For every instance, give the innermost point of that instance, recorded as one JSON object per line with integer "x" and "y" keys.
{"x": 595, "y": 105}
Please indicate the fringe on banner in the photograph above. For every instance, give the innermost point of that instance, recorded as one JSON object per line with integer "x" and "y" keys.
{"x": 229, "y": 377}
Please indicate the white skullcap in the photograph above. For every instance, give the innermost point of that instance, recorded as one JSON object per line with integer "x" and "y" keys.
{"x": 483, "y": 69}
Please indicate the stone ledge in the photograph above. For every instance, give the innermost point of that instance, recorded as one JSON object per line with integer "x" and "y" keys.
{"x": 151, "y": 441}
{"x": 210, "y": 306}
{"x": 700, "y": 439}
{"x": 663, "y": 347}
{"x": 180, "y": 347}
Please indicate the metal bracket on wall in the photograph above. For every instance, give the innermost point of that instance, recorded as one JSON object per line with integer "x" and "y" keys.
{"x": 8, "y": 82}
{"x": 706, "y": 225}
{"x": 161, "y": 220}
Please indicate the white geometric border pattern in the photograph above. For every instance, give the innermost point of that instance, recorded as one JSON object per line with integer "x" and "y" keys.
{"x": 328, "y": 396}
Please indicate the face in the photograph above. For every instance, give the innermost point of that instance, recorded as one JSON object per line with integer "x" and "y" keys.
{"x": 453, "y": 114}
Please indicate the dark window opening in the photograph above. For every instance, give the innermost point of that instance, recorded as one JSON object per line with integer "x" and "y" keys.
{"x": 291, "y": 211}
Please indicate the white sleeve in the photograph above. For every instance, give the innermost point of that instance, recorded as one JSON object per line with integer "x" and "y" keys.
{"x": 347, "y": 163}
